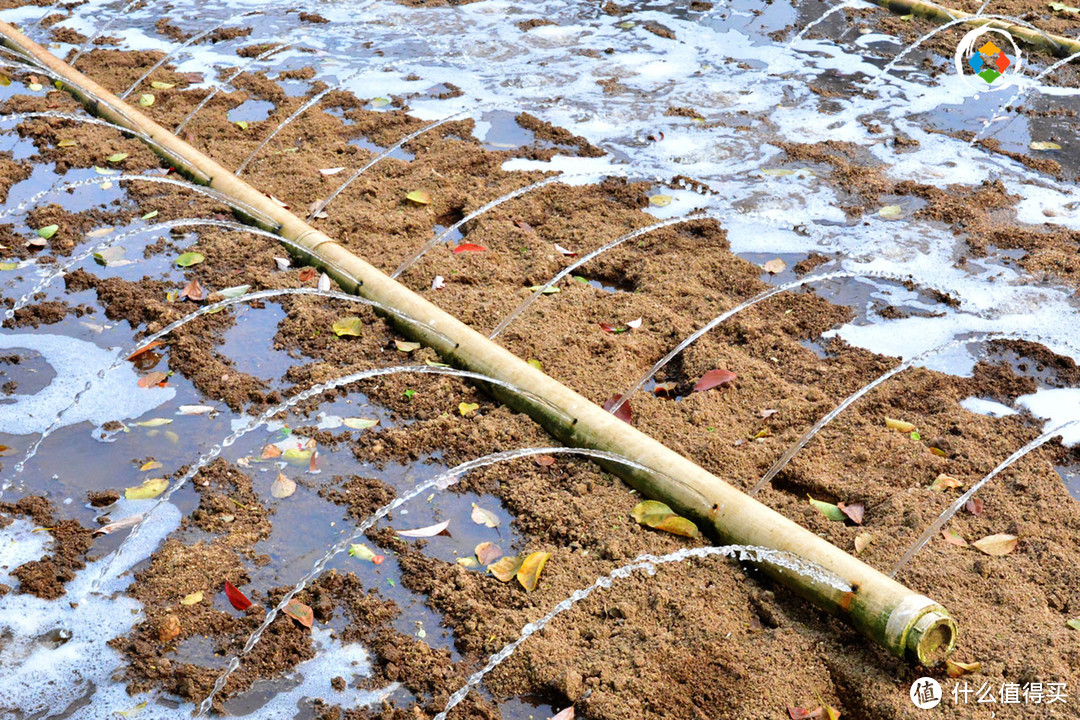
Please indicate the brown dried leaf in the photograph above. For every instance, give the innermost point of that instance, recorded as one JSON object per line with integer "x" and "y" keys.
{"x": 506, "y": 568}
{"x": 855, "y": 511}
{"x": 1000, "y": 544}
{"x": 775, "y": 266}
{"x": 715, "y": 378}
{"x": 282, "y": 487}
{"x": 944, "y": 482}
{"x": 957, "y": 669}
{"x": 954, "y": 538}
{"x": 270, "y": 451}
{"x": 487, "y": 553}
{"x": 169, "y": 629}
{"x": 299, "y": 612}
{"x": 193, "y": 291}
{"x": 974, "y": 506}
{"x": 529, "y": 572}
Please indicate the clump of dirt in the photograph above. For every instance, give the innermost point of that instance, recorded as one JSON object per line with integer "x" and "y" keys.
{"x": 45, "y": 578}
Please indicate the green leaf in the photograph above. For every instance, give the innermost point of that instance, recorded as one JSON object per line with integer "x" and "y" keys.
{"x": 189, "y": 258}
{"x": 409, "y": 394}
{"x": 659, "y": 516}
{"x": 147, "y": 490}
{"x": 915, "y": 436}
{"x": 117, "y": 157}
{"x": 48, "y": 231}
{"x": 242, "y": 124}
{"x": 536, "y": 364}
{"x": 379, "y": 102}
{"x": 829, "y": 510}
{"x": 1074, "y": 624}
{"x": 146, "y": 100}
{"x": 150, "y": 215}
{"x": 1062, "y": 7}
{"x": 350, "y": 325}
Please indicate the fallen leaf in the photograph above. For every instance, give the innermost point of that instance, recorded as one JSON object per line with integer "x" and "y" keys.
{"x": 169, "y": 629}
{"x": 974, "y": 506}
{"x": 487, "y": 553}
{"x": 831, "y": 713}
{"x": 766, "y": 414}
{"x": 331, "y": 171}
{"x": 957, "y": 669}
{"x": 901, "y": 425}
{"x": 282, "y": 487}
{"x": 110, "y": 257}
{"x": 282, "y": 264}
{"x": 634, "y": 324}
{"x": 145, "y": 348}
{"x": 469, "y": 247}
{"x": 544, "y": 460}
{"x": 193, "y": 291}
{"x": 242, "y": 124}
{"x": 152, "y": 465}
{"x": 506, "y": 568}
{"x": 424, "y": 532}
{"x": 854, "y": 511}
{"x": 438, "y": 283}
{"x": 307, "y": 274}
{"x": 564, "y": 714}
{"x": 469, "y": 562}
{"x": 238, "y": 599}
{"x": 324, "y": 282}
{"x": 832, "y": 512}
{"x": 299, "y": 612}
{"x": 480, "y": 516}
{"x": 36, "y": 244}
{"x": 715, "y": 378}
{"x": 1044, "y": 145}
{"x": 535, "y": 363}
{"x": 120, "y": 524}
{"x": 406, "y": 347}
{"x": 117, "y": 157}
{"x": 660, "y": 200}
{"x": 608, "y": 328}
{"x": 192, "y": 77}
{"x": 659, "y": 516}
{"x": 47, "y": 232}
{"x": 945, "y": 482}
{"x": 351, "y": 325}
{"x": 156, "y": 378}
{"x": 862, "y": 541}
{"x": 775, "y": 266}
{"x": 666, "y": 389}
{"x": 138, "y": 708}
{"x": 154, "y": 422}
{"x": 937, "y": 451}
{"x": 359, "y": 423}
{"x": 529, "y": 572}
{"x": 798, "y": 713}
{"x": 189, "y": 258}
{"x": 623, "y": 413}
{"x": 158, "y": 85}
{"x": 194, "y": 409}
{"x": 465, "y": 408}
{"x": 954, "y": 538}
{"x": 551, "y": 290}
{"x": 147, "y": 490}
{"x": 192, "y": 599}
{"x": 1074, "y": 624}
{"x": 270, "y": 451}
{"x": 420, "y": 197}
{"x": 146, "y": 100}
{"x": 1000, "y": 544}
{"x": 891, "y": 211}
{"x": 360, "y": 551}
{"x": 233, "y": 292}
{"x": 66, "y": 143}
{"x": 564, "y": 251}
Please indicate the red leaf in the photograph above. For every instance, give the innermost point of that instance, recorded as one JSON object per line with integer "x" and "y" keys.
{"x": 798, "y": 713}
{"x": 299, "y": 612}
{"x": 715, "y": 378}
{"x": 623, "y": 413}
{"x": 308, "y": 274}
{"x": 611, "y": 328}
{"x": 145, "y": 348}
{"x": 151, "y": 379}
{"x": 854, "y": 511}
{"x": 469, "y": 247}
{"x": 238, "y": 599}
{"x": 974, "y": 506}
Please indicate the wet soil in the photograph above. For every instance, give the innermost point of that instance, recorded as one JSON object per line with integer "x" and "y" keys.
{"x": 703, "y": 639}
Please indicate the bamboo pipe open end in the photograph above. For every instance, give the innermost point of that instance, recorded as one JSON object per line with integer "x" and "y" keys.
{"x": 932, "y": 638}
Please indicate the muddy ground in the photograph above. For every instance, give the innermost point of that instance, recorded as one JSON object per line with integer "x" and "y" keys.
{"x": 705, "y": 639}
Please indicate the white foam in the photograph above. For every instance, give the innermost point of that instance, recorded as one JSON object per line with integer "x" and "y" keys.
{"x": 20, "y": 544}
{"x": 1057, "y": 405}
{"x": 982, "y": 406}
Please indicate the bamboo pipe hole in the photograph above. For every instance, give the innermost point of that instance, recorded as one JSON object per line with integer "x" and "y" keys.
{"x": 932, "y": 638}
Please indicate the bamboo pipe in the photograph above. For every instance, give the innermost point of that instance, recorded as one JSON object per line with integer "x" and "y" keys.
{"x": 1057, "y": 45}
{"x": 907, "y": 624}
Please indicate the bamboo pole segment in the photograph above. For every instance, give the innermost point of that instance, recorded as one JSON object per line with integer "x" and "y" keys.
{"x": 907, "y": 624}
{"x": 1057, "y": 45}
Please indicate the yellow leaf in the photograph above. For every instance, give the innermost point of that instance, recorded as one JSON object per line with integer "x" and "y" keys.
{"x": 529, "y": 573}
{"x": 359, "y": 423}
{"x": 193, "y": 599}
{"x": 891, "y": 211}
{"x": 774, "y": 266}
{"x": 957, "y": 669}
{"x": 469, "y": 562}
{"x": 406, "y": 347}
{"x": 351, "y": 325}
{"x": 677, "y": 525}
{"x": 154, "y": 422}
{"x": 147, "y": 490}
{"x": 944, "y": 482}
{"x": 862, "y": 541}
{"x": 420, "y": 197}
{"x": 1044, "y": 145}
{"x": 158, "y": 85}
{"x": 152, "y": 465}
{"x": 146, "y": 100}
{"x": 1000, "y": 544}
{"x": 66, "y": 143}
{"x": 659, "y": 516}
{"x": 660, "y": 200}
{"x": 466, "y": 408}
{"x": 901, "y": 425}
{"x": 506, "y": 568}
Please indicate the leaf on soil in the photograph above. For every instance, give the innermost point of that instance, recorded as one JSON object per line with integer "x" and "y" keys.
{"x": 487, "y": 553}
{"x": 480, "y": 516}
{"x": 193, "y": 291}
{"x": 1074, "y": 624}
{"x": 469, "y": 247}
{"x": 775, "y": 266}
{"x": 659, "y": 516}
{"x": 544, "y": 460}
{"x": 282, "y": 264}
{"x": 48, "y": 231}
{"x": 233, "y": 292}
{"x": 324, "y": 282}
{"x": 283, "y": 486}
{"x": 974, "y": 506}
{"x": 901, "y": 425}
{"x": 146, "y": 100}
{"x": 242, "y": 124}
{"x": 189, "y": 258}
{"x": 660, "y": 200}
{"x": 832, "y": 512}
{"x": 552, "y": 290}
{"x": 117, "y": 157}
{"x": 150, "y": 215}
{"x": 564, "y": 714}
{"x": 192, "y": 598}
{"x": 307, "y": 274}
{"x": 145, "y": 348}
{"x": 66, "y": 143}
{"x": 715, "y": 378}
{"x": 331, "y": 171}
{"x": 238, "y": 599}
{"x": 299, "y": 612}
{"x": 156, "y": 378}
{"x": 169, "y": 629}
{"x": 855, "y": 511}
{"x": 1000, "y": 544}
{"x": 158, "y": 85}
{"x": 506, "y": 568}
{"x": 420, "y": 197}
{"x": 351, "y": 325}
{"x": 425, "y": 532}
{"x": 664, "y": 389}
{"x": 359, "y": 423}
{"x": 954, "y": 538}
{"x": 535, "y": 363}
{"x": 406, "y": 347}
{"x": 1044, "y": 145}
{"x": 608, "y": 328}
{"x": 529, "y": 572}
{"x": 891, "y": 211}
{"x": 564, "y": 251}
{"x": 623, "y": 413}
{"x": 945, "y": 482}
{"x": 466, "y": 407}
{"x": 862, "y": 541}
{"x": 957, "y": 669}
{"x": 634, "y": 324}
{"x": 798, "y": 713}
{"x": 148, "y": 490}
{"x": 360, "y": 551}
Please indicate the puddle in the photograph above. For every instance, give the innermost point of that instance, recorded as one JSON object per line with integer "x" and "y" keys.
{"x": 251, "y": 111}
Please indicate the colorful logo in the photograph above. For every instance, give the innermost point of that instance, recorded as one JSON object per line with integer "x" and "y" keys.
{"x": 982, "y": 63}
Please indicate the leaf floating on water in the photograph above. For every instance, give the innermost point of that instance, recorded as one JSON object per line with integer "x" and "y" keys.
{"x": 360, "y": 551}
{"x": 957, "y": 669}
{"x": 487, "y": 553}
{"x": 298, "y": 456}
{"x": 466, "y": 407}
{"x": 158, "y": 85}
{"x": 238, "y": 599}
{"x": 351, "y": 325}
{"x": 148, "y": 490}
{"x": 194, "y": 409}
{"x": 270, "y": 451}
{"x": 529, "y": 572}
{"x": 660, "y": 200}
{"x": 110, "y": 256}
{"x": 659, "y": 516}
{"x": 469, "y": 247}
{"x": 192, "y": 599}
{"x": 233, "y": 292}
{"x": 193, "y": 291}
{"x": 715, "y": 378}
{"x": 105, "y": 171}
{"x": 506, "y": 568}
{"x": 832, "y": 512}
{"x": 406, "y": 347}
{"x": 480, "y": 516}
{"x": 359, "y": 423}
{"x": 117, "y": 157}
{"x": 469, "y": 562}
{"x": 425, "y": 532}
{"x": 154, "y": 422}
{"x": 299, "y": 612}
{"x": 945, "y": 482}
{"x": 48, "y": 231}
{"x": 1044, "y": 145}
{"x": 974, "y": 506}
{"x": 282, "y": 487}
{"x": 855, "y": 511}
{"x": 122, "y": 523}
{"x": 775, "y": 266}
{"x": 152, "y": 465}
{"x": 891, "y": 212}
{"x": 420, "y": 197}
{"x": 1000, "y": 544}
{"x": 901, "y": 425}
{"x": 146, "y": 100}
{"x": 564, "y": 714}
{"x": 862, "y": 541}
{"x": 379, "y": 102}
{"x": 189, "y": 258}
{"x": 156, "y": 378}
{"x": 623, "y": 413}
